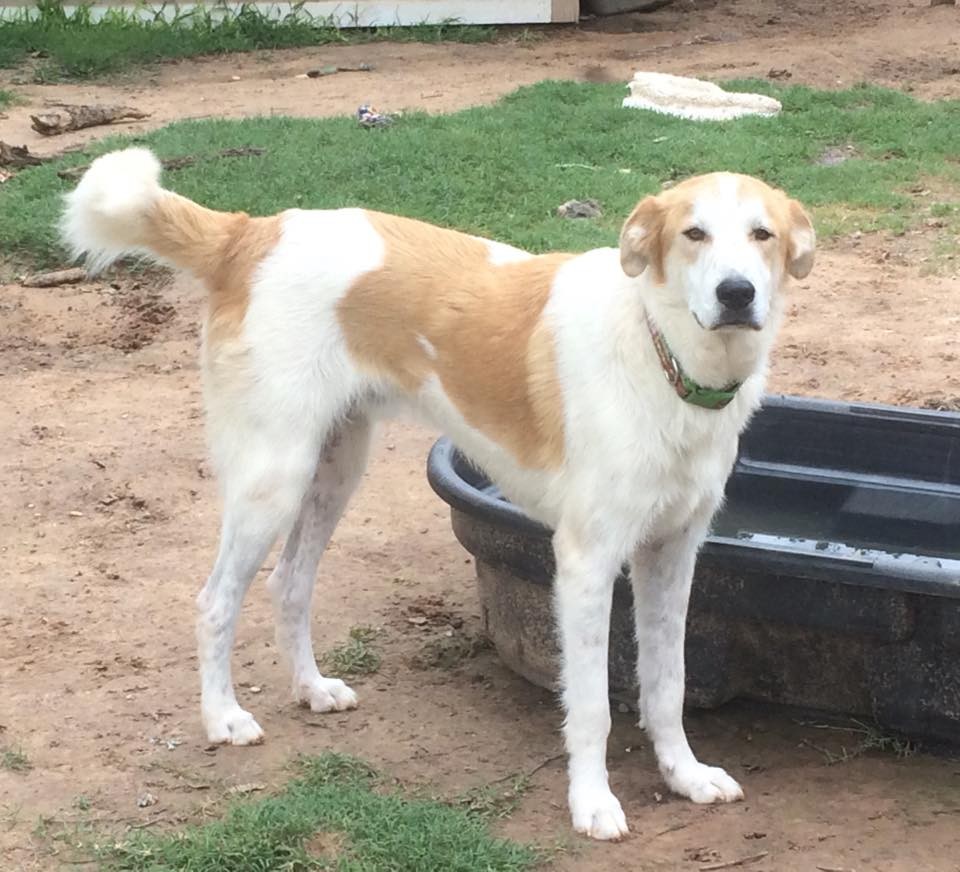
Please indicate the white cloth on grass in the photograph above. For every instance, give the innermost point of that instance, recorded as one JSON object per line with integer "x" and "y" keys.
{"x": 694, "y": 98}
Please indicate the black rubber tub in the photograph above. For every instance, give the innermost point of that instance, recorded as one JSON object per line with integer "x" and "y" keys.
{"x": 831, "y": 579}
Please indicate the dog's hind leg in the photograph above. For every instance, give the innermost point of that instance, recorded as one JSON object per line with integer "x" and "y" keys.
{"x": 264, "y": 473}
{"x": 341, "y": 465}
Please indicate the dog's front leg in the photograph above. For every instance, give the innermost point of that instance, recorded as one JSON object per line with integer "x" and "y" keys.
{"x": 584, "y": 589}
{"x": 661, "y": 575}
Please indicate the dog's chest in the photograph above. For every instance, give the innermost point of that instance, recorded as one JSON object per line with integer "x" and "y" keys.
{"x": 664, "y": 476}
{"x": 692, "y": 482}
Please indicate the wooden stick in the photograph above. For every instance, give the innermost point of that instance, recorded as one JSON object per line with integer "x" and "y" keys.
{"x": 79, "y": 117}
{"x": 18, "y": 156}
{"x": 56, "y": 278}
{"x": 743, "y": 861}
{"x": 541, "y": 765}
{"x": 329, "y": 71}
{"x": 672, "y": 829}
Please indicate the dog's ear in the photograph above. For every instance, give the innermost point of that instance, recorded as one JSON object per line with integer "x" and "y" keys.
{"x": 641, "y": 241}
{"x": 801, "y": 242}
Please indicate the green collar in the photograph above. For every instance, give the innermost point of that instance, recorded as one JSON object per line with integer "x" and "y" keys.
{"x": 687, "y": 389}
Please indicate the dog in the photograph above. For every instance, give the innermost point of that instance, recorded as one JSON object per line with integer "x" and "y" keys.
{"x": 603, "y": 392}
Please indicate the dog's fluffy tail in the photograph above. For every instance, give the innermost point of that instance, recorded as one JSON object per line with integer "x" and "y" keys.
{"x": 119, "y": 208}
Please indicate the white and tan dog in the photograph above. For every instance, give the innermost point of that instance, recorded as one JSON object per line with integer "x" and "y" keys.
{"x": 547, "y": 371}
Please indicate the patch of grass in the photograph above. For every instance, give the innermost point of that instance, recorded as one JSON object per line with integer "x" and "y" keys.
{"x": 944, "y": 210}
{"x": 81, "y": 802}
{"x": 73, "y": 44}
{"x": 358, "y": 656}
{"x": 43, "y": 827}
{"x": 334, "y": 816}
{"x": 502, "y": 170}
{"x": 7, "y": 98}
{"x": 867, "y": 738}
{"x": 14, "y": 760}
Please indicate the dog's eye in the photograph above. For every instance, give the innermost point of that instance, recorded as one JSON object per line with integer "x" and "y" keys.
{"x": 761, "y": 234}
{"x": 695, "y": 234}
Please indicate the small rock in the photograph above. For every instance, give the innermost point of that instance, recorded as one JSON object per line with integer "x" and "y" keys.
{"x": 580, "y": 209}
{"x": 146, "y": 799}
{"x": 836, "y": 154}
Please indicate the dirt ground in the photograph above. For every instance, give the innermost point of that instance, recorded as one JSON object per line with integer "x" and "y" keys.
{"x": 108, "y": 514}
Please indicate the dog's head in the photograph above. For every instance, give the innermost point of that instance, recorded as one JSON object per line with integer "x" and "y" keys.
{"x": 721, "y": 246}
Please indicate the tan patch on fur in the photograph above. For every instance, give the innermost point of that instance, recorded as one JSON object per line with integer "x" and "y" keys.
{"x": 491, "y": 350}
{"x": 791, "y": 224}
{"x": 223, "y": 249}
{"x": 649, "y": 232}
{"x": 251, "y": 241}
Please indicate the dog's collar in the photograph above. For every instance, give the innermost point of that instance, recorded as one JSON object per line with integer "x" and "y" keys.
{"x": 687, "y": 389}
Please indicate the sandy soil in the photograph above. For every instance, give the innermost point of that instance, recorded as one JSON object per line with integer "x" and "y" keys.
{"x": 108, "y": 514}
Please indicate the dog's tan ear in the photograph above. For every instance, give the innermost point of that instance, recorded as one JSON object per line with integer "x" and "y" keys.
{"x": 802, "y": 242}
{"x": 640, "y": 240}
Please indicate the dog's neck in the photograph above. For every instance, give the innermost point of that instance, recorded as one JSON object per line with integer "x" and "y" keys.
{"x": 714, "y": 359}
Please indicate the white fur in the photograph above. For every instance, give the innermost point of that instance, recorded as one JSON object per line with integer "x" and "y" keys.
{"x": 427, "y": 346}
{"x": 732, "y": 253}
{"x": 500, "y": 252}
{"x": 105, "y": 214}
{"x": 642, "y": 475}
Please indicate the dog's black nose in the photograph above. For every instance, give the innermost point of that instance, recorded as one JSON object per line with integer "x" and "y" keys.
{"x": 735, "y": 293}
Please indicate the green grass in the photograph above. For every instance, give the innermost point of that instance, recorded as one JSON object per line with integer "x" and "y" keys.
{"x": 335, "y": 816}
{"x": 73, "y": 45}
{"x": 358, "y": 656}
{"x": 7, "y": 98}
{"x": 14, "y": 760}
{"x": 81, "y": 802}
{"x": 502, "y": 170}
{"x": 867, "y": 738}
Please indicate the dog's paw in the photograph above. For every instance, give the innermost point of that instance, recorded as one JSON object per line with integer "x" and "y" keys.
{"x": 327, "y": 695}
{"x": 232, "y": 726}
{"x": 596, "y": 813}
{"x": 703, "y": 784}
